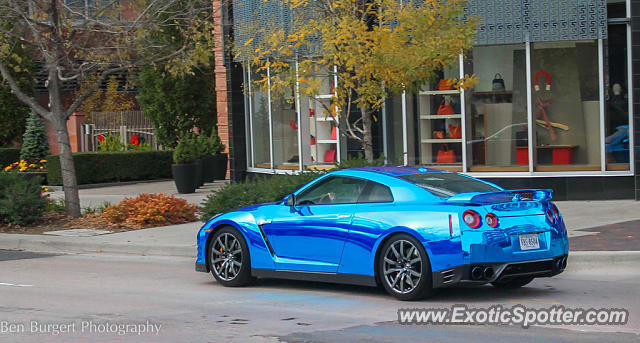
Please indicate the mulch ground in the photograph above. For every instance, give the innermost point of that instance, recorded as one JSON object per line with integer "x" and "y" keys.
{"x": 623, "y": 236}
{"x": 55, "y": 221}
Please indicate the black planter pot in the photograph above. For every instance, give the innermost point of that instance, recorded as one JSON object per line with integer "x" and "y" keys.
{"x": 199, "y": 171}
{"x": 184, "y": 176}
{"x": 220, "y": 167}
{"x": 208, "y": 174}
{"x": 32, "y": 175}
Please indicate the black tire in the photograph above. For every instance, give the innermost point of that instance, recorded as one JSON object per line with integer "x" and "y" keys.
{"x": 224, "y": 257}
{"x": 393, "y": 281}
{"x": 513, "y": 283}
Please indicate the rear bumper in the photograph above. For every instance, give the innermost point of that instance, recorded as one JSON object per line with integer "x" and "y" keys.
{"x": 493, "y": 271}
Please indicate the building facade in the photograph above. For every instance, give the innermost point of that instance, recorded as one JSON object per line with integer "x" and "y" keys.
{"x": 555, "y": 107}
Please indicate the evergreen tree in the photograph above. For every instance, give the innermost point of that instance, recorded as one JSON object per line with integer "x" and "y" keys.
{"x": 35, "y": 145}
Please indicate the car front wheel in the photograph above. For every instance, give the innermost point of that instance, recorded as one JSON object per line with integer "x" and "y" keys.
{"x": 404, "y": 268}
{"x": 229, "y": 258}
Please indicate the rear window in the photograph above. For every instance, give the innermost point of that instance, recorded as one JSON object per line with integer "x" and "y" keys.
{"x": 448, "y": 184}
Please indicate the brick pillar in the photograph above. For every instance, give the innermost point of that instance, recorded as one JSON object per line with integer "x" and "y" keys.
{"x": 74, "y": 127}
{"x": 220, "y": 71}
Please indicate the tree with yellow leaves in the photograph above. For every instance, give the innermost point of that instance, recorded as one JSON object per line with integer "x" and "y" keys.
{"x": 374, "y": 48}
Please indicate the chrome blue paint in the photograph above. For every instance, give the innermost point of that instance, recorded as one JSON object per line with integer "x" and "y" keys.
{"x": 344, "y": 238}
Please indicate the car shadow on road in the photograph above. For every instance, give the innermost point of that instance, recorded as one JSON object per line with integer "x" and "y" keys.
{"x": 459, "y": 294}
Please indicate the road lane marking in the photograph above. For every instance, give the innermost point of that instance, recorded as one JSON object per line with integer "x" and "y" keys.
{"x": 14, "y": 284}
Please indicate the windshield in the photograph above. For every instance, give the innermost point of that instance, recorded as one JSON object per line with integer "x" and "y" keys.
{"x": 448, "y": 184}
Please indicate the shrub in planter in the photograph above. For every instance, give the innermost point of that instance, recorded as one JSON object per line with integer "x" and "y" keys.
{"x": 151, "y": 210}
{"x": 220, "y": 162}
{"x": 201, "y": 150}
{"x": 21, "y": 202}
{"x": 184, "y": 169}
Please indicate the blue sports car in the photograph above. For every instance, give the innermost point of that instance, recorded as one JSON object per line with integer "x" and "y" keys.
{"x": 410, "y": 229}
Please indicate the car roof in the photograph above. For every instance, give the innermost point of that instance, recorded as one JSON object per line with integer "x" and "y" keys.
{"x": 398, "y": 170}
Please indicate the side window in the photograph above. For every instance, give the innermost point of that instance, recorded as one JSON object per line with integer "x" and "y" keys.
{"x": 333, "y": 190}
{"x": 375, "y": 192}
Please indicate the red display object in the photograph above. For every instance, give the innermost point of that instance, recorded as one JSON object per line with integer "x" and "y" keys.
{"x": 562, "y": 155}
{"x": 330, "y": 156}
{"x": 334, "y": 133}
{"x": 522, "y": 155}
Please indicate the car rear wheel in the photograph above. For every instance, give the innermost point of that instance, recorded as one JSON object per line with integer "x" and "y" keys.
{"x": 513, "y": 283}
{"x": 404, "y": 268}
{"x": 229, "y": 258}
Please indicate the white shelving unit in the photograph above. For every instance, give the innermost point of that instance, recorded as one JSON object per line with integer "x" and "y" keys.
{"x": 429, "y": 121}
{"x": 323, "y": 127}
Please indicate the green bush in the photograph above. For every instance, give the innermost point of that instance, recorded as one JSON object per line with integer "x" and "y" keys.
{"x": 214, "y": 144}
{"x": 261, "y": 189}
{"x": 35, "y": 145}
{"x": 98, "y": 167}
{"x": 21, "y": 202}
{"x": 185, "y": 151}
{"x": 8, "y": 156}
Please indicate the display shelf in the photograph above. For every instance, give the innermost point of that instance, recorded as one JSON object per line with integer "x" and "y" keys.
{"x": 327, "y": 141}
{"x": 441, "y": 116}
{"x": 324, "y": 96}
{"x": 447, "y": 92}
{"x": 441, "y": 140}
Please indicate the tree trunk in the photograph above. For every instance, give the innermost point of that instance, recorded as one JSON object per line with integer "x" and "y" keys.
{"x": 69, "y": 182}
{"x": 367, "y": 139}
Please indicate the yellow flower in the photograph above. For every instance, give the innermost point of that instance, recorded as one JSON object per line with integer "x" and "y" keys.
{"x": 43, "y": 161}
{"x": 32, "y": 166}
{"x": 7, "y": 168}
{"x": 23, "y": 169}
{"x": 41, "y": 167}
{"x": 45, "y": 189}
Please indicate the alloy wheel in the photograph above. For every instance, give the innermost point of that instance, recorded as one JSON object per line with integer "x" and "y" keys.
{"x": 226, "y": 256}
{"x": 402, "y": 266}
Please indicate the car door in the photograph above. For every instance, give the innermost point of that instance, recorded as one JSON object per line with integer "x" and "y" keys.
{"x": 310, "y": 236}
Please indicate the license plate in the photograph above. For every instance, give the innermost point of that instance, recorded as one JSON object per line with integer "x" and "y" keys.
{"x": 529, "y": 242}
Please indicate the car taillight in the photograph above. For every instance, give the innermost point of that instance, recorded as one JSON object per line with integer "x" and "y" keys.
{"x": 491, "y": 220}
{"x": 550, "y": 216}
{"x": 556, "y": 213}
{"x": 472, "y": 219}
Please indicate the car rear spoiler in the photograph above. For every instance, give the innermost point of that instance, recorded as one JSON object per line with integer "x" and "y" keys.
{"x": 503, "y": 196}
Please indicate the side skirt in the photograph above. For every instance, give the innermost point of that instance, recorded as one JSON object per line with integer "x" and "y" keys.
{"x": 352, "y": 279}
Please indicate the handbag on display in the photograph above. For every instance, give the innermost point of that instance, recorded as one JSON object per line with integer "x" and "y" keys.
{"x": 312, "y": 112}
{"x": 498, "y": 83}
{"x": 444, "y": 85}
{"x": 438, "y": 134}
{"x": 445, "y": 155}
{"x": 445, "y": 108}
{"x": 330, "y": 156}
{"x": 455, "y": 131}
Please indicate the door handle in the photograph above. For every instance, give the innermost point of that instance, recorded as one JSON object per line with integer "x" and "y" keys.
{"x": 344, "y": 216}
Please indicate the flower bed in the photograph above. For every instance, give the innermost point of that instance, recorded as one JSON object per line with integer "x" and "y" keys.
{"x": 148, "y": 210}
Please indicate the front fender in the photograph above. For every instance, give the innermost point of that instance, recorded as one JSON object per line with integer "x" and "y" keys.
{"x": 246, "y": 224}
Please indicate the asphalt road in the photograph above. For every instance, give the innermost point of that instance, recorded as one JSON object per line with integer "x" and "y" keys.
{"x": 190, "y": 307}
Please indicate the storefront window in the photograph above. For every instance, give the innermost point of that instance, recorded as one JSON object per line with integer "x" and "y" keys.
{"x": 259, "y": 111}
{"x": 496, "y": 115}
{"x": 565, "y": 106}
{"x": 617, "y": 97}
{"x": 438, "y": 119}
{"x": 285, "y": 128}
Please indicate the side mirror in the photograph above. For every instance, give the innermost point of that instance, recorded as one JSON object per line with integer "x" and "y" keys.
{"x": 291, "y": 200}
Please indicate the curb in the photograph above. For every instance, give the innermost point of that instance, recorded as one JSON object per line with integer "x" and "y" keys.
{"x": 41, "y": 243}
{"x": 37, "y": 243}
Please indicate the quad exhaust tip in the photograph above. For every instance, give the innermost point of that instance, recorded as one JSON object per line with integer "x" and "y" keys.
{"x": 488, "y": 273}
{"x": 482, "y": 273}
